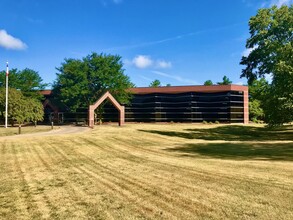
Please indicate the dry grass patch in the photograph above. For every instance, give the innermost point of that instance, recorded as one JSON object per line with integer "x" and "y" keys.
{"x": 24, "y": 130}
{"x": 149, "y": 171}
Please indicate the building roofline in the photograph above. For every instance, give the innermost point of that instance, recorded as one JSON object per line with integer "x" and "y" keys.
{"x": 46, "y": 92}
{"x": 182, "y": 89}
{"x": 178, "y": 89}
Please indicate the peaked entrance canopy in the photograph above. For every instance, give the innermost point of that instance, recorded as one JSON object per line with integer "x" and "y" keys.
{"x": 119, "y": 107}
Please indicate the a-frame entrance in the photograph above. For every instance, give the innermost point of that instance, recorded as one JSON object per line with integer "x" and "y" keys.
{"x": 119, "y": 107}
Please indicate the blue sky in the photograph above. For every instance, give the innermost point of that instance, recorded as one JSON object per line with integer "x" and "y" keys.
{"x": 181, "y": 42}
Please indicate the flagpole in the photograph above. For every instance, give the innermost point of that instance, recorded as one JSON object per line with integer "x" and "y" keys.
{"x": 6, "y": 102}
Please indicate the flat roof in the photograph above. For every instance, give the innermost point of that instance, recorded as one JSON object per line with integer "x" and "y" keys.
{"x": 182, "y": 89}
{"x": 178, "y": 89}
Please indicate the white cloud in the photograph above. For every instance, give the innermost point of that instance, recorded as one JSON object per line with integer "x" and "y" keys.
{"x": 142, "y": 61}
{"x": 9, "y": 42}
{"x": 162, "y": 64}
{"x": 175, "y": 77}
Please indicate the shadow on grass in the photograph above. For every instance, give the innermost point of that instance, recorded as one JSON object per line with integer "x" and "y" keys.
{"x": 232, "y": 133}
{"x": 236, "y": 151}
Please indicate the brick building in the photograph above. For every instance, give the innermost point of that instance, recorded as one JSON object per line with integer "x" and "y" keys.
{"x": 223, "y": 103}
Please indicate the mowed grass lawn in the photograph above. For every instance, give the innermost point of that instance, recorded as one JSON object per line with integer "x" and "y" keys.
{"x": 149, "y": 171}
{"x": 24, "y": 130}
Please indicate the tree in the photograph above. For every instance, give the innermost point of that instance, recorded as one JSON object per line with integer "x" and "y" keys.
{"x": 271, "y": 52}
{"x": 36, "y": 111}
{"x": 256, "y": 112}
{"x": 270, "y": 36}
{"x": 226, "y": 81}
{"x": 20, "y": 112}
{"x": 266, "y": 103}
{"x": 20, "y": 108}
{"x": 155, "y": 83}
{"x": 81, "y": 82}
{"x": 168, "y": 84}
{"x": 27, "y": 80}
{"x": 13, "y": 78}
{"x": 15, "y": 97}
{"x": 258, "y": 89}
{"x": 208, "y": 83}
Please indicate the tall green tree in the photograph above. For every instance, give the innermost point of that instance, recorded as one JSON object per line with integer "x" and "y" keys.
{"x": 270, "y": 36}
{"x": 81, "y": 82}
{"x": 208, "y": 83}
{"x": 155, "y": 83}
{"x": 258, "y": 92}
{"x": 28, "y": 81}
{"x": 15, "y": 97}
{"x": 226, "y": 81}
{"x": 271, "y": 52}
{"x": 21, "y": 108}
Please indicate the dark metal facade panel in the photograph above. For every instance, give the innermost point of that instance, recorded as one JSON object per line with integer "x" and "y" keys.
{"x": 225, "y": 106}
